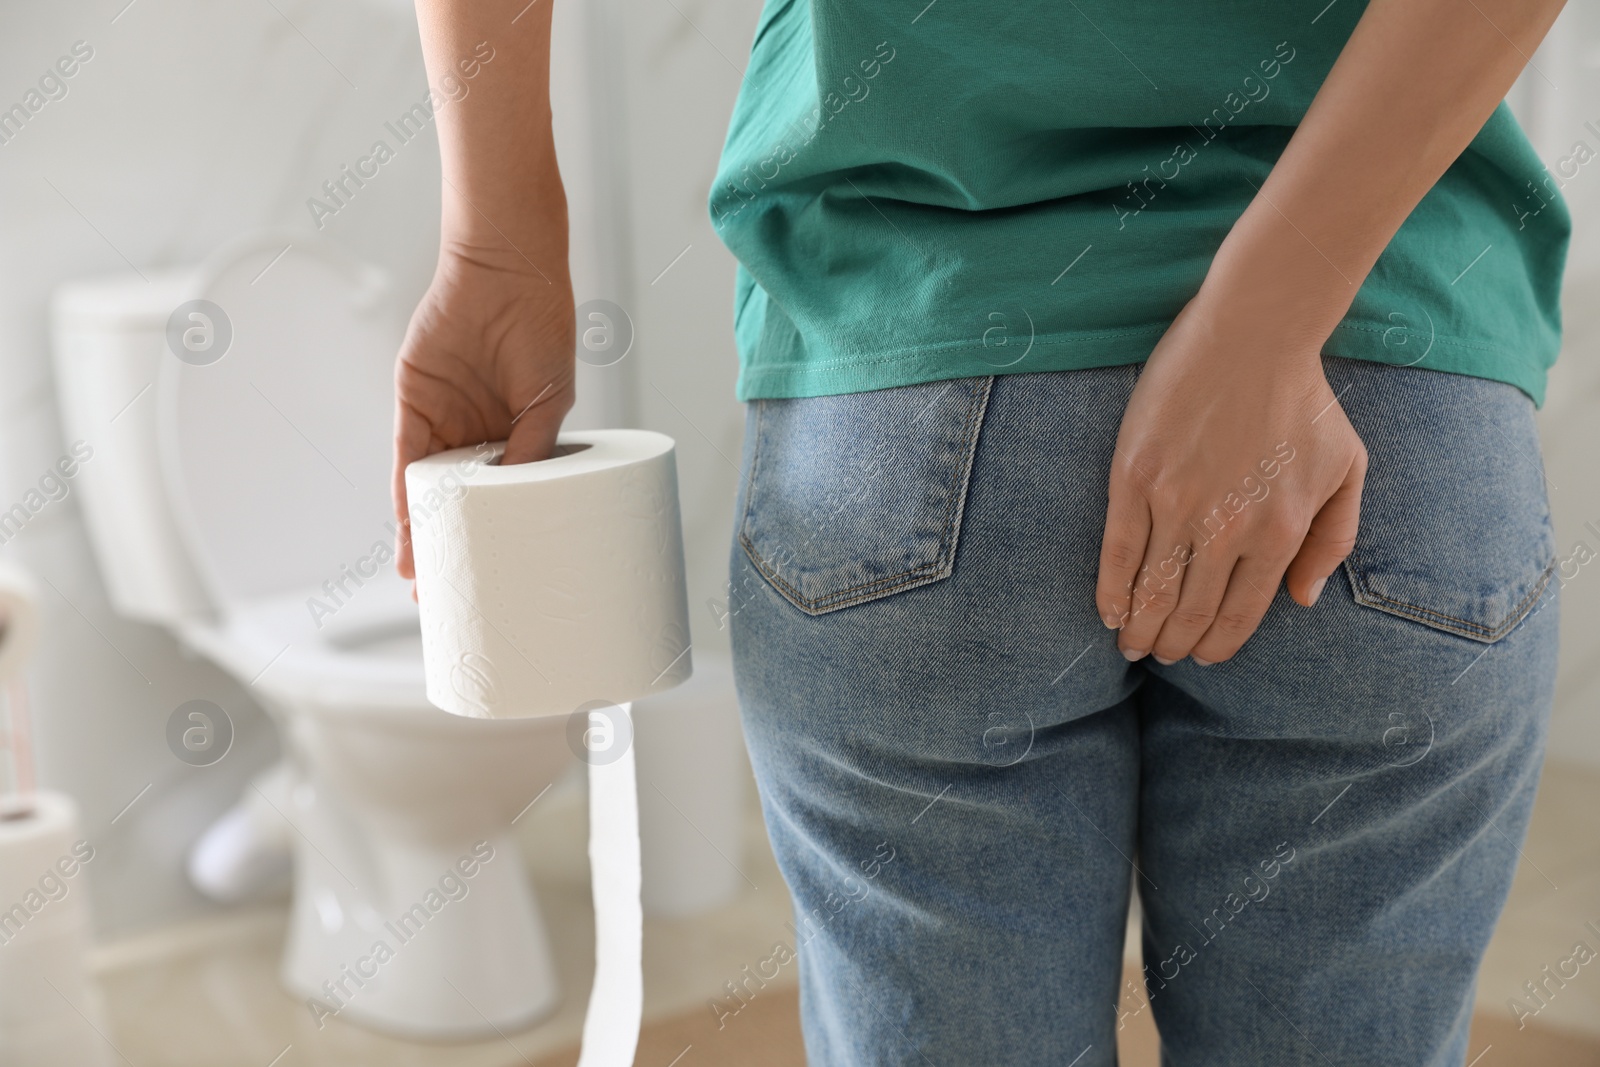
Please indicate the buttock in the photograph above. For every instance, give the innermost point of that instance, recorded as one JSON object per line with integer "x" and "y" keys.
{"x": 948, "y": 533}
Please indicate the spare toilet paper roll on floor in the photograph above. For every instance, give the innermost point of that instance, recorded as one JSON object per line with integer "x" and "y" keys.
{"x": 557, "y": 588}
{"x": 50, "y": 1011}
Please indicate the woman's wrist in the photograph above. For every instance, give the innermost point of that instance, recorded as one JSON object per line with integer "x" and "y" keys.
{"x": 524, "y": 234}
{"x": 1269, "y": 296}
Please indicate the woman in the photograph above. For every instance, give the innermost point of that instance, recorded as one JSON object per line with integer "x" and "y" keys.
{"x": 1140, "y": 489}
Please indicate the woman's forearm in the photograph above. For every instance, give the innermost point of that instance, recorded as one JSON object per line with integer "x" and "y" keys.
{"x": 502, "y": 194}
{"x": 488, "y": 355}
{"x": 1412, "y": 87}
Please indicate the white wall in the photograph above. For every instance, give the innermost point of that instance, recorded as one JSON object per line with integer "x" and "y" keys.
{"x": 1555, "y": 102}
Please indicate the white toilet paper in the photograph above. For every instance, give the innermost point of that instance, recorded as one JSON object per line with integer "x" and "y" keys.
{"x": 692, "y": 779}
{"x": 50, "y": 1011}
{"x": 556, "y": 588}
{"x": 19, "y": 621}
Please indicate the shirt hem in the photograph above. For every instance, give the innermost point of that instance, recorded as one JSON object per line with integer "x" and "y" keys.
{"x": 1085, "y": 351}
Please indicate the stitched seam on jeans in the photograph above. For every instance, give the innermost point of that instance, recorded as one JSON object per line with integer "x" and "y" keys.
{"x": 1429, "y": 616}
{"x": 870, "y": 590}
{"x": 969, "y": 432}
{"x": 1477, "y": 627}
{"x": 794, "y": 594}
{"x": 750, "y": 482}
{"x": 917, "y": 571}
{"x": 888, "y": 583}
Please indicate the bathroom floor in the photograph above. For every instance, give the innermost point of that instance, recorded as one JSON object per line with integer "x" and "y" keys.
{"x": 207, "y": 995}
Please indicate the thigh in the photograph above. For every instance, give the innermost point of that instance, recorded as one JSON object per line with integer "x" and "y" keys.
{"x": 942, "y": 731}
{"x": 1331, "y": 820}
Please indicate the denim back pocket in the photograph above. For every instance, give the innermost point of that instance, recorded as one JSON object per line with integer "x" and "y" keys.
{"x": 1455, "y": 525}
{"x": 859, "y": 496}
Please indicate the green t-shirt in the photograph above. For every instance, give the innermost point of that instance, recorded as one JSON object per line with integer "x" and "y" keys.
{"x": 918, "y": 191}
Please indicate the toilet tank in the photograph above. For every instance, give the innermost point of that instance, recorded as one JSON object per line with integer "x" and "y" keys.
{"x": 108, "y": 338}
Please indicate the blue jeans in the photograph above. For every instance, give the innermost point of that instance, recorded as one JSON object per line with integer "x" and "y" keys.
{"x": 962, "y": 777}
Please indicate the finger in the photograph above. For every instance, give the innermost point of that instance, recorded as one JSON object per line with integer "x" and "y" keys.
{"x": 411, "y": 437}
{"x": 1251, "y": 588}
{"x": 1156, "y": 590}
{"x": 1122, "y": 550}
{"x": 1330, "y": 539}
{"x": 1205, "y": 583}
{"x": 534, "y": 429}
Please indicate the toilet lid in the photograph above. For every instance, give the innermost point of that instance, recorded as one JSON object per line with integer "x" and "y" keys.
{"x": 276, "y": 453}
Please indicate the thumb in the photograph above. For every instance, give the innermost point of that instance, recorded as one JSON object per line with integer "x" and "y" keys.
{"x": 1330, "y": 539}
{"x": 533, "y": 435}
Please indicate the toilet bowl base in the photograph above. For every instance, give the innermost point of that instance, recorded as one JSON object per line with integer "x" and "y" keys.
{"x": 419, "y": 940}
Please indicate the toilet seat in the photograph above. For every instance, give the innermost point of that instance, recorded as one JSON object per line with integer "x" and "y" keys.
{"x": 365, "y": 657}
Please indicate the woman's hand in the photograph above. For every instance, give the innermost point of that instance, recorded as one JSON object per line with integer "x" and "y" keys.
{"x": 489, "y": 356}
{"x": 1234, "y": 465}
{"x": 1206, "y": 514}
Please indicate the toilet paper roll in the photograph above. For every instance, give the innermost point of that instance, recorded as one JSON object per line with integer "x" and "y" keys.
{"x": 44, "y": 899}
{"x": 51, "y": 1010}
{"x": 546, "y": 586}
{"x": 557, "y": 588}
{"x": 19, "y": 621}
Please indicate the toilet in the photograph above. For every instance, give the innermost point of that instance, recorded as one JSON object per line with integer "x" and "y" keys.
{"x": 238, "y": 494}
